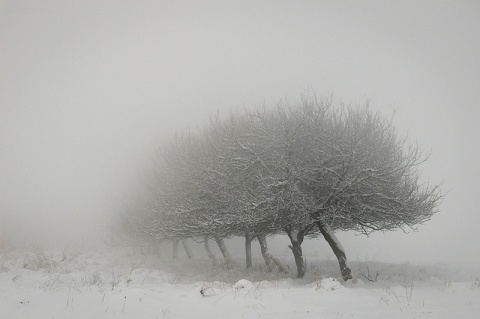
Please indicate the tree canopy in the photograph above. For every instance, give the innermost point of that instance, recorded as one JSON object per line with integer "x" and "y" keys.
{"x": 289, "y": 167}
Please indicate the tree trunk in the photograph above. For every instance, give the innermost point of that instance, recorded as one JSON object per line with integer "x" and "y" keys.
{"x": 226, "y": 254}
{"x": 296, "y": 238}
{"x": 271, "y": 262}
{"x": 154, "y": 248}
{"x": 159, "y": 249}
{"x": 175, "y": 249}
{"x": 337, "y": 249}
{"x": 209, "y": 251}
{"x": 188, "y": 249}
{"x": 248, "y": 249}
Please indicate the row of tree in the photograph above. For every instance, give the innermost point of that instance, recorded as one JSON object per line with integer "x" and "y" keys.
{"x": 304, "y": 170}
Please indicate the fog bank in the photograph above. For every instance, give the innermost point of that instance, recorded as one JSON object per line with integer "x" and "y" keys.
{"x": 90, "y": 89}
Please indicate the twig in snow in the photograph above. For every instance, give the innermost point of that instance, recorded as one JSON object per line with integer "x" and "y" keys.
{"x": 368, "y": 276}
{"x": 56, "y": 278}
{"x": 68, "y": 298}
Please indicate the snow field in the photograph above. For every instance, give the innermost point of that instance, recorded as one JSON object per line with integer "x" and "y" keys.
{"x": 122, "y": 285}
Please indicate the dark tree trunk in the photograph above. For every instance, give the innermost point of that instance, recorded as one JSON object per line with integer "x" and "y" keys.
{"x": 337, "y": 249}
{"x": 248, "y": 249}
{"x": 188, "y": 249}
{"x": 175, "y": 249}
{"x": 271, "y": 262}
{"x": 226, "y": 254}
{"x": 296, "y": 238}
{"x": 209, "y": 251}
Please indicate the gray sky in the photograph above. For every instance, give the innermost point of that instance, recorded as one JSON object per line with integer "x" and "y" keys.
{"x": 89, "y": 89}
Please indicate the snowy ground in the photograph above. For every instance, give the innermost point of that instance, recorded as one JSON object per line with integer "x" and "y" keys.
{"x": 120, "y": 284}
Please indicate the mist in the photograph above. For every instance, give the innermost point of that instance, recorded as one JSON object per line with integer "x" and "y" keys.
{"x": 90, "y": 89}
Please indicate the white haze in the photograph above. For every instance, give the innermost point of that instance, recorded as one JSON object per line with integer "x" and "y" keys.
{"x": 90, "y": 89}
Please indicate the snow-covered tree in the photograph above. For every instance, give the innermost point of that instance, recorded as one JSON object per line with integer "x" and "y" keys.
{"x": 353, "y": 172}
{"x": 307, "y": 170}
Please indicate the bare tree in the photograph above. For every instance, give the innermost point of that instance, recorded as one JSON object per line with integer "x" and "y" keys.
{"x": 363, "y": 178}
{"x": 340, "y": 169}
{"x": 306, "y": 170}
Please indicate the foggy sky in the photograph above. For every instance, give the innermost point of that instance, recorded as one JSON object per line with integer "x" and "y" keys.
{"x": 90, "y": 89}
